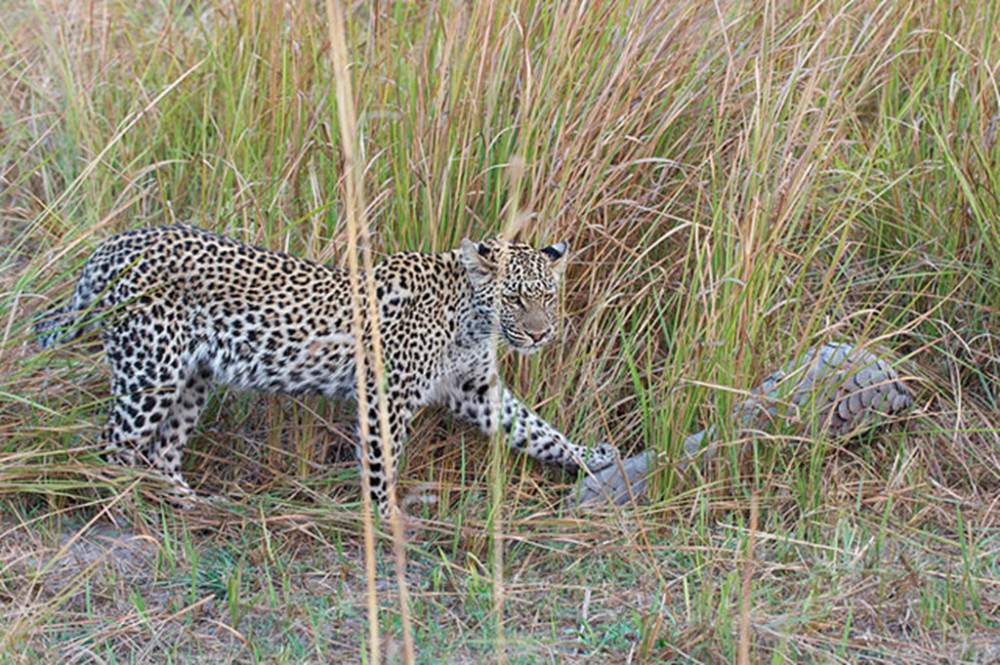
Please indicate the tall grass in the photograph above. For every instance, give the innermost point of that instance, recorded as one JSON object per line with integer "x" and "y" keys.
{"x": 738, "y": 180}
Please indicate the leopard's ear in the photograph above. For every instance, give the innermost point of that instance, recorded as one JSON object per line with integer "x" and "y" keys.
{"x": 479, "y": 260}
{"x": 558, "y": 254}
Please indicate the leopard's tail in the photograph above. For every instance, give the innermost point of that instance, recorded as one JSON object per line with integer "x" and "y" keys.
{"x": 55, "y": 326}
{"x": 74, "y": 318}
{"x": 63, "y": 324}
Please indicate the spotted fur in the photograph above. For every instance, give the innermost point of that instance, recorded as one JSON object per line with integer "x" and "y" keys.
{"x": 181, "y": 308}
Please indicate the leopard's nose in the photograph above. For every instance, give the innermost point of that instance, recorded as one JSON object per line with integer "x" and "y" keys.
{"x": 537, "y": 335}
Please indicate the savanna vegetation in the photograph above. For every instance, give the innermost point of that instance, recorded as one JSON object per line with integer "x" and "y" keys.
{"x": 738, "y": 180}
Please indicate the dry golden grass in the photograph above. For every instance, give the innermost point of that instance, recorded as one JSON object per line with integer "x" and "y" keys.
{"x": 738, "y": 180}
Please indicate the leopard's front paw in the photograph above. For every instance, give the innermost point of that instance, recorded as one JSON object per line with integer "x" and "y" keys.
{"x": 601, "y": 457}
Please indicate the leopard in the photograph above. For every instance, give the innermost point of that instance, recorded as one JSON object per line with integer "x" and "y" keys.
{"x": 180, "y": 309}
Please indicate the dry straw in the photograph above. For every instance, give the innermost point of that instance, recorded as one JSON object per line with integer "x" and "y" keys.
{"x": 357, "y": 232}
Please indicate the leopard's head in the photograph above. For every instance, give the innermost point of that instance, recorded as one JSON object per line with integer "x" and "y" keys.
{"x": 515, "y": 285}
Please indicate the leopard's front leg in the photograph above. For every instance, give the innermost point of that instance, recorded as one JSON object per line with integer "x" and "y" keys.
{"x": 399, "y": 413}
{"x": 539, "y": 439}
{"x": 484, "y": 400}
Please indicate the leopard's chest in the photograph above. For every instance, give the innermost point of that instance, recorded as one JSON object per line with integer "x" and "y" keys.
{"x": 466, "y": 361}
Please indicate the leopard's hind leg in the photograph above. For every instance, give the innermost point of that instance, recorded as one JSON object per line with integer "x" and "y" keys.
{"x": 145, "y": 350}
{"x": 177, "y": 425}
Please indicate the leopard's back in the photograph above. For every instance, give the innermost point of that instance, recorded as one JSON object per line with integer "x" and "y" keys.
{"x": 199, "y": 267}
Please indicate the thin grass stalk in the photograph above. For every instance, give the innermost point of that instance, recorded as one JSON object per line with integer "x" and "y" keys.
{"x": 498, "y": 442}
{"x": 354, "y": 208}
{"x": 359, "y": 234}
{"x": 744, "y": 645}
